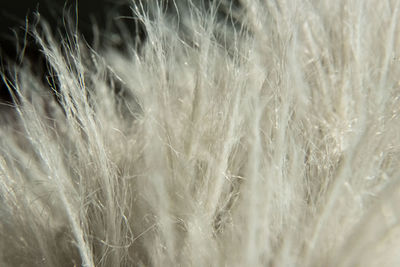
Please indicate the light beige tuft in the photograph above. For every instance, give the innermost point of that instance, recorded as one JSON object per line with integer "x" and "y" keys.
{"x": 260, "y": 133}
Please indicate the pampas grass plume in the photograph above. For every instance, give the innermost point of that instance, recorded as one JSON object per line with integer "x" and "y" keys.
{"x": 247, "y": 133}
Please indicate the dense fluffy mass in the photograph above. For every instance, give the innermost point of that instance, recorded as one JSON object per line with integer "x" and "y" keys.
{"x": 249, "y": 133}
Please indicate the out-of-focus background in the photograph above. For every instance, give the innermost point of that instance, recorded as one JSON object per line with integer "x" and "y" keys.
{"x": 15, "y": 13}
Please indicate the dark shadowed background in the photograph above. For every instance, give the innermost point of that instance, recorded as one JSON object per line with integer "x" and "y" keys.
{"x": 14, "y": 13}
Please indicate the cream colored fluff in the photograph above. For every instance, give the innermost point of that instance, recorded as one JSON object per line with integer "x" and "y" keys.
{"x": 270, "y": 138}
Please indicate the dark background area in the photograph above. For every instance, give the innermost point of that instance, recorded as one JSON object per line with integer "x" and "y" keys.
{"x": 14, "y": 13}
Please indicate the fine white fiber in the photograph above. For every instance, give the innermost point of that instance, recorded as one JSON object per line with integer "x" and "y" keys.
{"x": 233, "y": 133}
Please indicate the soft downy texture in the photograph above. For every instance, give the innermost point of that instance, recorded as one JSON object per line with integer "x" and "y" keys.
{"x": 259, "y": 133}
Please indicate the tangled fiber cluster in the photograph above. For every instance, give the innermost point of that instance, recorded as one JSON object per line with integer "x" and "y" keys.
{"x": 249, "y": 133}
